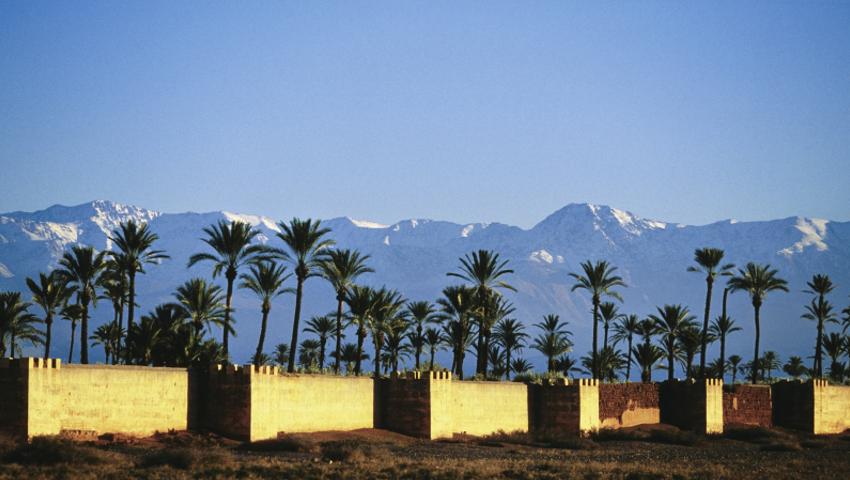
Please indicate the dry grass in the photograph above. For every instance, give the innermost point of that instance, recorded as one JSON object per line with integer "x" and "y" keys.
{"x": 387, "y": 456}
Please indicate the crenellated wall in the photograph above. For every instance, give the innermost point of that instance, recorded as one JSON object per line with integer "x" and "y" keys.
{"x": 565, "y": 408}
{"x": 693, "y": 405}
{"x": 814, "y": 406}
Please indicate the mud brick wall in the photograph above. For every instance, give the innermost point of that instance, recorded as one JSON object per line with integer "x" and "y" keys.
{"x": 628, "y": 404}
{"x": 690, "y": 405}
{"x": 555, "y": 409}
{"x": 405, "y": 406}
{"x": 13, "y": 398}
{"x": 227, "y": 406}
{"x": 748, "y": 405}
{"x": 793, "y": 405}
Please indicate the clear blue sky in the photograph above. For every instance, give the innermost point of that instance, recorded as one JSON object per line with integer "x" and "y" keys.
{"x": 466, "y": 111}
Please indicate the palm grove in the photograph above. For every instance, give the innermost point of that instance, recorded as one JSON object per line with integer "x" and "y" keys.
{"x": 391, "y": 332}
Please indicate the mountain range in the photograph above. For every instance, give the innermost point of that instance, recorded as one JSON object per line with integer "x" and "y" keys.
{"x": 414, "y": 255}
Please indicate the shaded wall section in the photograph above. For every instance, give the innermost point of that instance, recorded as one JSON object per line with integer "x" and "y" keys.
{"x": 748, "y": 405}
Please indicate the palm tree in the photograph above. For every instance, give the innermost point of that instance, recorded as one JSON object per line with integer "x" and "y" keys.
{"x": 599, "y": 280}
{"x": 498, "y": 361}
{"x": 394, "y": 346}
{"x": 708, "y": 262}
{"x": 757, "y": 281}
{"x": 510, "y": 334}
{"x": 281, "y": 354}
{"x": 385, "y": 314}
{"x": 103, "y": 335}
{"x": 81, "y": 267}
{"x": 308, "y": 353}
{"x": 114, "y": 288}
{"x": 647, "y": 356}
{"x": 609, "y": 362}
{"x": 770, "y": 362}
{"x": 341, "y": 269}
{"x": 566, "y": 364}
{"x": 688, "y": 346}
{"x": 307, "y": 252}
{"x": 16, "y": 323}
{"x": 456, "y": 308}
{"x": 201, "y": 303}
{"x": 721, "y": 328}
{"x": 359, "y": 300}
{"x": 671, "y": 322}
{"x": 553, "y": 341}
{"x": 434, "y": 341}
{"x": 349, "y": 357}
{"x": 321, "y": 326}
{"x": 72, "y": 312}
{"x": 608, "y": 313}
{"x": 520, "y": 365}
{"x": 484, "y": 270}
{"x": 265, "y": 279}
{"x": 135, "y": 242}
{"x": 821, "y": 312}
{"x": 626, "y": 329}
{"x": 231, "y": 243}
{"x": 834, "y": 345}
{"x": 794, "y": 367}
{"x": 734, "y": 365}
{"x": 50, "y": 293}
{"x": 420, "y": 313}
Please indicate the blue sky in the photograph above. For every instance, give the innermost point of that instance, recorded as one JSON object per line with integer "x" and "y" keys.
{"x": 466, "y": 111}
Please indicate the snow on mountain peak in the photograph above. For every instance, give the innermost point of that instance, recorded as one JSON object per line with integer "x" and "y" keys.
{"x": 367, "y": 224}
{"x": 253, "y": 220}
{"x": 813, "y": 230}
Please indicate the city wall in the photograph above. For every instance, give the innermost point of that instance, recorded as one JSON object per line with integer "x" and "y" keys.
{"x": 39, "y": 397}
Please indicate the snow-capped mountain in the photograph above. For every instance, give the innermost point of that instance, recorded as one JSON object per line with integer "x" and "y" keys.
{"x": 414, "y": 256}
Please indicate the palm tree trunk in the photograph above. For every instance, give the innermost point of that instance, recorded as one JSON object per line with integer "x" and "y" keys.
{"x": 73, "y": 335}
{"x": 433, "y": 352}
{"x": 338, "y": 348}
{"x": 418, "y": 343}
{"x": 507, "y": 363}
{"x": 481, "y": 353}
{"x": 131, "y": 307}
{"x": 629, "y": 361}
{"x": 704, "y": 334}
{"x": 298, "y": 291}
{"x": 48, "y": 321}
{"x": 377, "y": 360}
{"x": 756, "y": 349}
{"x": 12, "y": 344}
{"x": 116, "y": 354}
{"x": 722, "y": 356}
{"x": 360, "y": 337}
{"x": 593, "y": 360}
{"x": 84, "y": 335}
{"x": 605, "y": 335}
{"x": 226, "y": 334}
{"x": 323, "y": 342}
{"x": 263, "y": 325}
{"x": 461, "y": 355}
{"x": 670, "y": 365}
{"x": 819, "y": 351}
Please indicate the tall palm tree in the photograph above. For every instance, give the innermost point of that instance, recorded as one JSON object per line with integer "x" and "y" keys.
{"x": 135, "y": 244}
{"x": 820, "y": 311}
{"x": 553, "y": 340}
{"x": 626, "y": 329}
{"x": 757, "y": 281}
{"x": 510, "y": 334}
{"x": 434, "y": 340}
{"x": 608, "y": 313}
{"x": 322, "y": 326}
{"x": 82, "y": 267}
{"x": 387, "y": 308}
{"x": 734, "y": 365}
{"x": 341, "y": 268}
{"x": 201, "y": 303}
{"x": 457, "y": 306}
{"x": 231, "y": 243}
{"x": 647, "y": 356}
{"x": 708, "y": 262}
{"x": 599, "y": 280}
{"x": 420, "y": 313}
{"x": 16, "y": 323}
{"x": 720, "y": 328}
{"x": 265, "y": 279}
{"x": 484, "y": 270}
{"x": 307, "y": 252}
{"x": 50, "y": 293}
{"x": 114, "y": 289}
{"x": 72, "y": 312}
{"x": 359, "y": 300}
{"x": 671, "y": 321}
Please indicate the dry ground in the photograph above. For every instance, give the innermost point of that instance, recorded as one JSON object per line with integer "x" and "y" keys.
{"x": 642, "y": 453}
